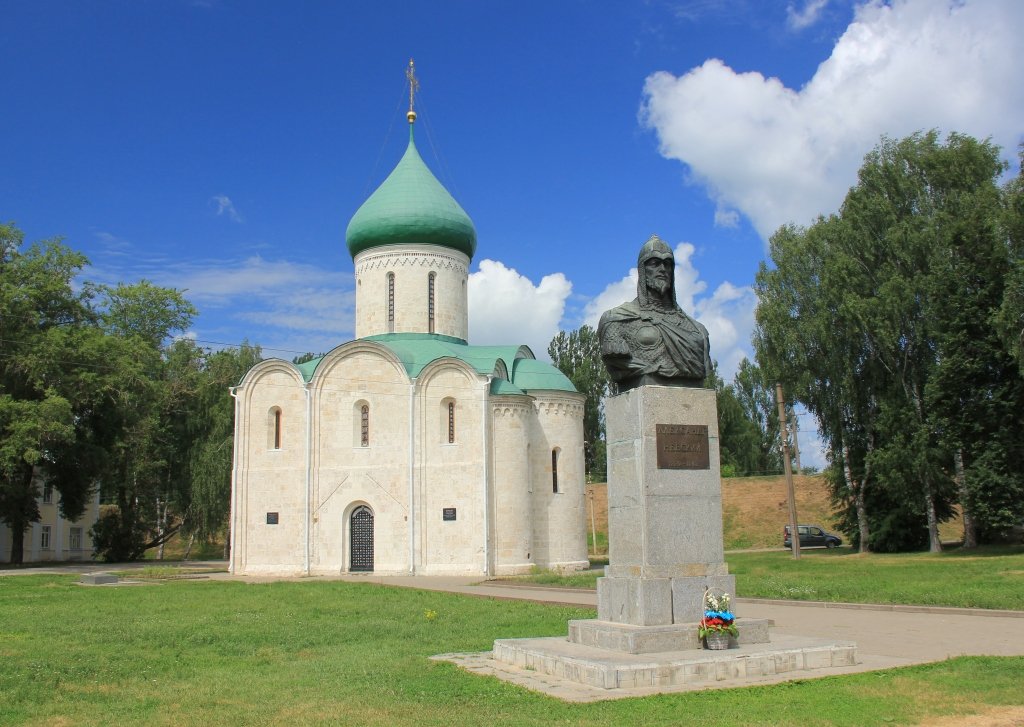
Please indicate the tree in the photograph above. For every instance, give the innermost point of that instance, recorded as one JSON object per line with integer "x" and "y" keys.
{"x": 976, "y": 394}
{"x": 738, "y": 437}
{"x": 881, "y": 321}
{"x": 1011, "y": 315}
{"x": 95, "y": 393}
{"x": 577, "y": 354}
{"x": 145, "y": 428}
{"x": 212, "y": 450}
{"x": 42, "y": 319}
{"x": 808, "y": 338}
{"x": 756, "y": 397}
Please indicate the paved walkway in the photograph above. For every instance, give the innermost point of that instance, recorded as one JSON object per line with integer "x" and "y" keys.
{"x": 886, "y": 636}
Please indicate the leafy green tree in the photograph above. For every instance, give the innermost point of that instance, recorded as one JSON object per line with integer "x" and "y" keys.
{"x": 95, "y": 393}
{"x": 756, "y": 397}
{"x": 1011, "y": 315}
{"x": 880, "y": 320}
{"x": 41, "y": 319}
{"x": 577, "y": 354}
{"x": 212, "y": 431}
{"x": 808, "y": 337}
{"x": 145, "y": 474}
{"x": 738, "y": 436}
{"x": 975, "y": 395}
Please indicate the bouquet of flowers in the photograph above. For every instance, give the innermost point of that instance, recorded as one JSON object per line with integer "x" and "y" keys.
{"x": 717, "y": 619}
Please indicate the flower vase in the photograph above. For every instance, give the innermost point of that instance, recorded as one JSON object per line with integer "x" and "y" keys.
{"x": 717, "y": 640}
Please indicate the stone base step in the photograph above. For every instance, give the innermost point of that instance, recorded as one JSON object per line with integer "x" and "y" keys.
{"x": 562, "y": 659}
{"x": 655, "y": 639}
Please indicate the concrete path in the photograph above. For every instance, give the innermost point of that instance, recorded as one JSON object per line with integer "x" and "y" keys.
{"x": 887, "y": 635}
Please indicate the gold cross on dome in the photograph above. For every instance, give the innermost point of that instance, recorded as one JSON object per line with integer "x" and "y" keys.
{"x": 414, "y": 84}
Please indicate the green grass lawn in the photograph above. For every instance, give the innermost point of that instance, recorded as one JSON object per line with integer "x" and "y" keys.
{"x": 981, "y": 578}
{"x": 329, "y": 652}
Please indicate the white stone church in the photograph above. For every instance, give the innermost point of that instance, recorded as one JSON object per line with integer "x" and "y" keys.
{"x": 407, "y": 450}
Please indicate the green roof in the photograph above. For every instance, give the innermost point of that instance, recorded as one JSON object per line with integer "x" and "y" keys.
{"x": 307, "y": 368}
{"x": 417, "y": 350}
{"x": 531, "y": 374}
{"x": 411, "y": 206}
{"x": 501, "y": 387}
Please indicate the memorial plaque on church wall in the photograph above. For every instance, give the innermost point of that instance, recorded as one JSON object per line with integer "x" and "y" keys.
{"x": 682, "y": 446}
{"x": 448, "y": 513}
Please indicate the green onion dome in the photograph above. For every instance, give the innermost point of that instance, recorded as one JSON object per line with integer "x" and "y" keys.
{"x": 411, "y": 206}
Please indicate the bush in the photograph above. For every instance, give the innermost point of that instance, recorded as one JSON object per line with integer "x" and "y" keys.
{"x": 115, "y": 539}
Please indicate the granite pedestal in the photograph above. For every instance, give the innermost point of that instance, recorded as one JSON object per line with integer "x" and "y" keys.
{"x": 666, "y": 551}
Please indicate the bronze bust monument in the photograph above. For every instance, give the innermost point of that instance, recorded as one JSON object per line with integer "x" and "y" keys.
{"x": 650, "y": 340}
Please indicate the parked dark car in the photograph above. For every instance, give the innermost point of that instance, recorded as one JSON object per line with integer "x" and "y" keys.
{"x": 811, "y": 535}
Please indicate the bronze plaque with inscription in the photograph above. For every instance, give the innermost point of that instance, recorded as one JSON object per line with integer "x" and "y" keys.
{"x": 682, "y": 447}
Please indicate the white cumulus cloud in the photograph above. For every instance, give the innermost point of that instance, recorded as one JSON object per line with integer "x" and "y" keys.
{"x": 505, "y": 307}
{"x": 728, "y": 314}
{"x": 777, "y": 154}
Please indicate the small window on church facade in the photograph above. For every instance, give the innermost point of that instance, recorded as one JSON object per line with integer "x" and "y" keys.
{"x": 364, "y": 426}
{"x": 391, "y": 302}
{"x": 430, "y": 302}
{"x": 554, "y": 470}
{"x": 447, "y": 431}
{"x": 275, "y": 434}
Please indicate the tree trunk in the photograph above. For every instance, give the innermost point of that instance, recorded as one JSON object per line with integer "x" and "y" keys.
{"x": 934, "y": 544}
{"x": 161, "y": 519}
{"x": 970, "y": 533}
{"x": 188, "y": 549}
{"x": 858, "y": 501}
{"x": 18, "y": 542}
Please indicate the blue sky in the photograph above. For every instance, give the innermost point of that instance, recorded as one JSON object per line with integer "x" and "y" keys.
{"x": 221, "y": 146}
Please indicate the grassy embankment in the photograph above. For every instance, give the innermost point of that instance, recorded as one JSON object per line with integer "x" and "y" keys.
{"x": 755, "y": 509}
{"x": 297, "y": 653}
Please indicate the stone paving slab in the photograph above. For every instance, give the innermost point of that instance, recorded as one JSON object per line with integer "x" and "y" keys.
{"x": 97, "y": 579}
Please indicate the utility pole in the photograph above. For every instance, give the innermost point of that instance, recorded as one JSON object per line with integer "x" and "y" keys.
{"x": 794, "y": 427}
{"x": 794, "y": 534}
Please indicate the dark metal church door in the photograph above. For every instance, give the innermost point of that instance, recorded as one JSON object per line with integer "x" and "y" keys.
{"x": 361, "y": 539}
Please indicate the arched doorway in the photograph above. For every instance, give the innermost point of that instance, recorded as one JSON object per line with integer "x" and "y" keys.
{"x": 361, "y": 539}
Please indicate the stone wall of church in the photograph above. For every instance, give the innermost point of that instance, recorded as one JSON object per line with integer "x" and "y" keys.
{"x": 269, "y": 484}
{"x": 450, "y": 475}
{"x": 360, "y": 460}
{"x": 457, "y": 481}
{"x": 512, "y": 421}
{"x": 411, "y": 267}
{"x": 559, "y": 512}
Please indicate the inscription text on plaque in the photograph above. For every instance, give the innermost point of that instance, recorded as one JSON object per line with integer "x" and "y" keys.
{"x": 682, "y": 447}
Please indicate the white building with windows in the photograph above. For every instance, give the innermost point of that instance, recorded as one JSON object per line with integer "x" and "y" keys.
{"x": 53, "y": 538}
{"x": 407, "y": 450}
